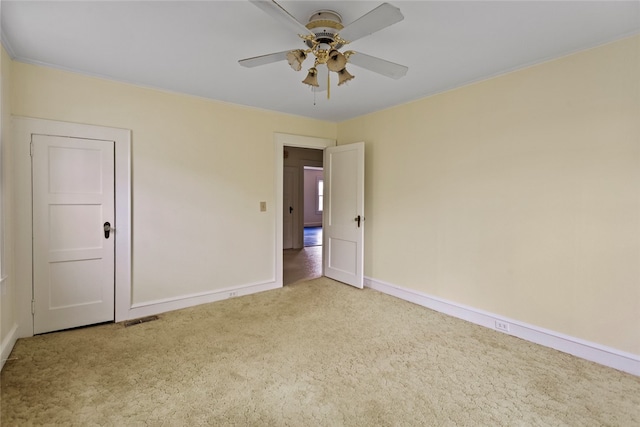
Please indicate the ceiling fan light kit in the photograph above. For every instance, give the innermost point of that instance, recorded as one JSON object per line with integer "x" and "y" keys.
{"x": 312, "y": 78}
{"x": 336, "y": 62}
{"x": 296, "y": 58}
{"x": 344, "y": 76}
{"x": 324, "y": 35}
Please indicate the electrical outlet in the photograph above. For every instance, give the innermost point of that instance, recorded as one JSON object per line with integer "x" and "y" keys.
{"x": 502, "y": 326}
{"x": 233, "y": 294}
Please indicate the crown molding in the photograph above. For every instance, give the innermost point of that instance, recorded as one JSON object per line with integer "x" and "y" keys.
{"x": 7, "y": 46}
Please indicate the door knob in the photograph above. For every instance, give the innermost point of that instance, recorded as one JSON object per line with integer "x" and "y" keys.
{"x": 107, "y": 229}
{"x": 290, "y": 209}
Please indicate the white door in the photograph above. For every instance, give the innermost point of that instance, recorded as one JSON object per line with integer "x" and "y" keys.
{"x": 73, "y": 255}
{"x": 343, "y": 218}
{"x": 289, "y": 191}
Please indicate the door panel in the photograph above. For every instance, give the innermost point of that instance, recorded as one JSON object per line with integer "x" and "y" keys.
{"x": 289, "y": 193}
{"x": 73, "y": 261}
{"x": 344, "y": 213}
{"x": 67, "y": 281}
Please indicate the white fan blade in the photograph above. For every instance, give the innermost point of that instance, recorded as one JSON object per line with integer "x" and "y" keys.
{"x": 264, "y": 59}
{"x": 280, "y": 14}
{"x": 377, "y": 65}
{"x": 379, "y": 18}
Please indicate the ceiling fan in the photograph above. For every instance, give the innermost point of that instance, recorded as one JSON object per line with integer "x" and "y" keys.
{"x": 324, "y": 36}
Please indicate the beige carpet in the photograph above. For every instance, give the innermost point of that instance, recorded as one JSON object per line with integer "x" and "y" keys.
{"x": 314, "y": 353}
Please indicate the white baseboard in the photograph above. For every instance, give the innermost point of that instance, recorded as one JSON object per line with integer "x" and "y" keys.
{"x": 151, "y": 308}
{"x": 7, "y": 344}
{"x": 623, "y": 361}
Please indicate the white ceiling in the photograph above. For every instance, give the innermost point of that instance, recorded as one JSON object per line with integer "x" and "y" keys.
{"x": 194, "y": 47}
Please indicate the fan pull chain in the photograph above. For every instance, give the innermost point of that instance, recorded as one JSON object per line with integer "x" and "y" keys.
{"x": 328, "y": 84}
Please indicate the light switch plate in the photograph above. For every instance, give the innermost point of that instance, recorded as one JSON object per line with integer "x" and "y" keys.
{"x": 263, "y": 206}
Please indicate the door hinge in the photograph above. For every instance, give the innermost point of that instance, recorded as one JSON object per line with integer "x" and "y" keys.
{"x": 33, "y": 306}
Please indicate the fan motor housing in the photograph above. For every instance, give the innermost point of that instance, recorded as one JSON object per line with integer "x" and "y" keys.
{"x": 325, "y": 24}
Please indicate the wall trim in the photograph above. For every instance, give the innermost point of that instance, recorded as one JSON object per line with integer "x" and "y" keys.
{"x": 150, "y": 308}
{"x": 7, "y": 345}
{"x": 607, "y": 356}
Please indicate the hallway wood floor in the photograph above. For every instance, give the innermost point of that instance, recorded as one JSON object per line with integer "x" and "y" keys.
{"x": 301, "y": 264}
{"x": 312, "y": 236}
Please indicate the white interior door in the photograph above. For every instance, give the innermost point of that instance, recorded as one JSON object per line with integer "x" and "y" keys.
{"x": 73, "y": 258}
{"x": 289, "y": 193}
{"x": 343, "y": 218}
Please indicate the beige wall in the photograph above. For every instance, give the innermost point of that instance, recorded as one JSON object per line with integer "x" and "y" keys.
{"x": 7, "y": 290}
{"x": 519, "y": 195}
{"x": 200, "y": 170}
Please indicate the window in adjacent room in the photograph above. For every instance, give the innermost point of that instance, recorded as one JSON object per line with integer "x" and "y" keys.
{"x": 319, "y": 194}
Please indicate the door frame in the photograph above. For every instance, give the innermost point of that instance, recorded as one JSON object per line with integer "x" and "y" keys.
{"x": 23, "y": 128}
{"x": 282, "y": 140}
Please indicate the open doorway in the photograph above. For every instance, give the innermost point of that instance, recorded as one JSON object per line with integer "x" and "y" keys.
{"x": 343, "y": 227}
{"x": 303, "y": 194}
{"x": 313, "y": 198}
